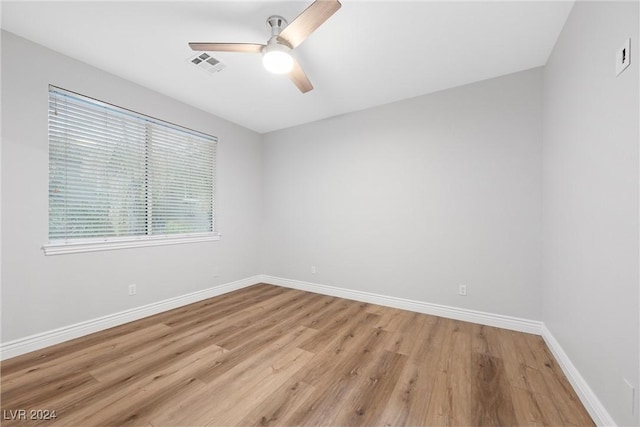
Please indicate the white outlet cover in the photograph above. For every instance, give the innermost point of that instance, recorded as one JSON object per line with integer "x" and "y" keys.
{"x": 623, "y": 57}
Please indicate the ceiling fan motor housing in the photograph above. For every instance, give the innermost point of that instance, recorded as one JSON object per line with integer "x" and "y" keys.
{"x": 276, "y": 54}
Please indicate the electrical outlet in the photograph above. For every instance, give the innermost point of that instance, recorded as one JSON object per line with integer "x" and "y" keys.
{"x": 623, "y": 57}
{"x": 313, "y": 269}
{"x": 132, "y": 289}
{"x": 462, "y": 290}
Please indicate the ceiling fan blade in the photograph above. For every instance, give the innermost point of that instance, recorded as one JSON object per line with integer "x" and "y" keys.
{"x": 227, "y": 47}
{"x": 299, "y": 78}
{"x": 308, "y": 21}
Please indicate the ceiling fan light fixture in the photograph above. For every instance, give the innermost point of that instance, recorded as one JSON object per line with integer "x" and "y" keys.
{"x": 277, "y": 59}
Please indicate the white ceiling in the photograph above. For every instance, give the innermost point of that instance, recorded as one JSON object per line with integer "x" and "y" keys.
{"x": 369, "y": 53}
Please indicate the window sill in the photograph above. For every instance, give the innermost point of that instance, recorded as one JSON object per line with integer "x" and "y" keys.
{"x": 125, "y": 243}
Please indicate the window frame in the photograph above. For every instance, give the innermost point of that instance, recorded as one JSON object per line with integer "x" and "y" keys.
{"x": 78, "y": 245}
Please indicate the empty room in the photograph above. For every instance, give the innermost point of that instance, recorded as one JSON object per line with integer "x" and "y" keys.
{"x": 320, "y": 213}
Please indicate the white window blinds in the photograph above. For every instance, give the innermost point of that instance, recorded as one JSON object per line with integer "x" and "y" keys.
{"x": 115, "y": 174}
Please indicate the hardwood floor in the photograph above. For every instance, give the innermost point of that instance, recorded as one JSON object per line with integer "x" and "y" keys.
{"x": 267, "y": 356}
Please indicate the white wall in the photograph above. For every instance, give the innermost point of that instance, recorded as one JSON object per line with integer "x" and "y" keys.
{"x": 42, "y": 293}
{"x": 414, "y": 198}
{"x": 590, "y": 202}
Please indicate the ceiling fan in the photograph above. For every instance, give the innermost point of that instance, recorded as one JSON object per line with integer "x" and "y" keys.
{"x": 276, "y": 54}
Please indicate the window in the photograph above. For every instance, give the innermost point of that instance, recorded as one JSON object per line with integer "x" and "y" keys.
{"x": 121, "y": 179}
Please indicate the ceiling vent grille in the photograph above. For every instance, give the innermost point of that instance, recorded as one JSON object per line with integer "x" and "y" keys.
{"x": 206, "y": 62}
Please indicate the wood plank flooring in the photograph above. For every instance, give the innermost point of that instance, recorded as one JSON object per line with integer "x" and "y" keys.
{"x": 268, "y": 356}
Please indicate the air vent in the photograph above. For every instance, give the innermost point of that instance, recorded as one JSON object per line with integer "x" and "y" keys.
{"x": 206, "y": 62}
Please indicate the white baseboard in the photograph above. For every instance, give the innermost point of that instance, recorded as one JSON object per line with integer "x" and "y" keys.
{"x": 483, "y": 318}
{"x": 588, "y": 398}
{"x": 56, "y": 336}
